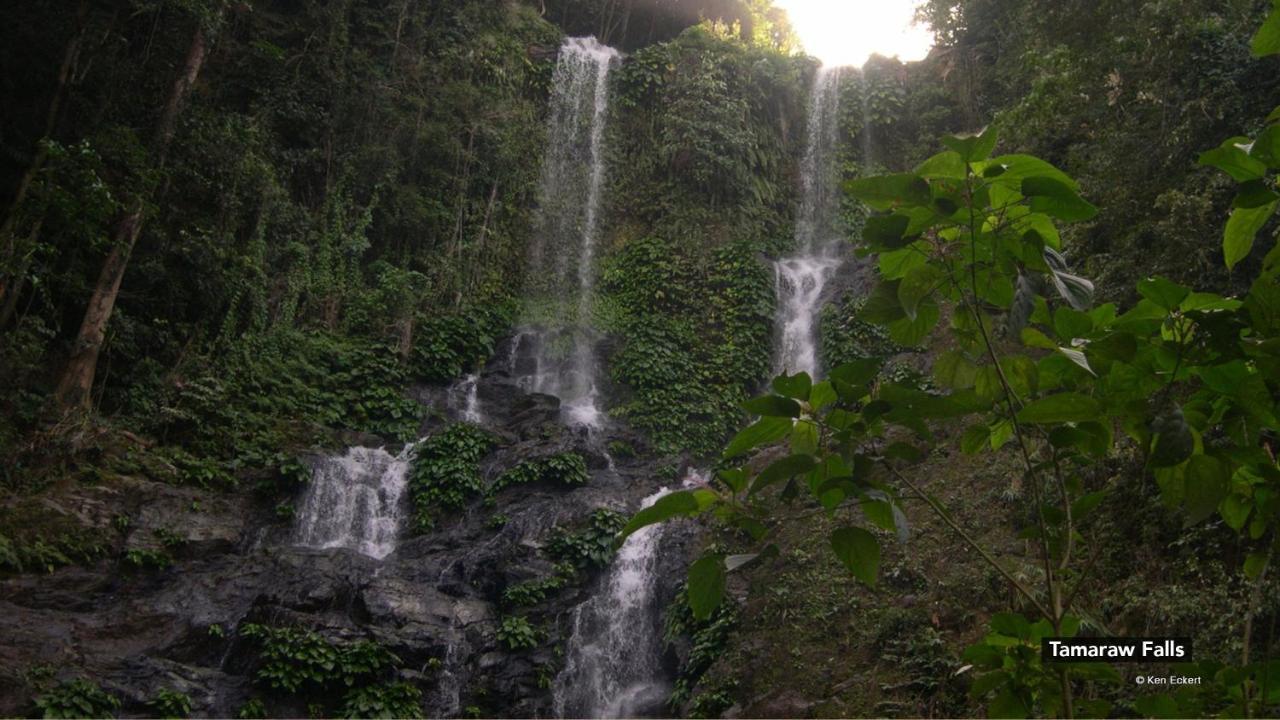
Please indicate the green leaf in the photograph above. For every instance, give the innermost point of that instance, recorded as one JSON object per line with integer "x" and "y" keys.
{"x": 1242, "y": 227}
{"x": 973, "y": 148}
{"x": 859, "y": 552}
{"x": 1007, "y": 704}
{"x": 947, "y": 164}
{"x": 880, "y": 513}
{"x": 1063, "y": 407}
{"x": 1254, "y": 564}
{"x": 765, "y": 430}
{"x": 1076, "y": 357}
{"x": 886, "y": 232}
{"x": 1011, "y": 624}
{"x": 953, "y": 370}
{"x": 1231, "y": 158}
{"x": 886, "y": 192}
{"x": 772, "y": 406}
{"x": 857, "y": 372}
{"x": 783, "y": 469}
{"x": 1267, "y": 40}
{"x": 1207, "y": 483}
{"x": 1266, "y": 147}
{"x": 1254, "y": 193}
{"x": 1054, "y": 197}
{"x": 1020, "y": 167}
{"x": 676, "y": 504}
{"x": 706, "y": 585}
{"x": 975, "y": 438}
{"x": 918, "y": 284}
{"x": 910, "y": 332}
{"x": 822, "y": 395}
{"x": 1165, "y": 293}
{"x": 794, "y": 386}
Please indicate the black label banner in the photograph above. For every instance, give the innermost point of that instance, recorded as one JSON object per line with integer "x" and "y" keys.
{"x": 1162, "y": 649}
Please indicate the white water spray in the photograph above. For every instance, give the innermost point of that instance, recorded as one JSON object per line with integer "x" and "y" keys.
{"x": 613, "y": 658}
{"x": 354, "y": 501}
{"x": 562, "y": 272}
{"x": 801, "y": 279}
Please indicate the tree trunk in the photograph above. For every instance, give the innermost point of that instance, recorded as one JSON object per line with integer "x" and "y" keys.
{"x": 77, "y": 380}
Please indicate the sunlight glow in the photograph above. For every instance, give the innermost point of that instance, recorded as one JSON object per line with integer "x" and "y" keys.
{"x": 847, "y": 32}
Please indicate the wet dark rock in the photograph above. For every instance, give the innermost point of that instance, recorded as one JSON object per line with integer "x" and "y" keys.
{"x": 435, "y": 602}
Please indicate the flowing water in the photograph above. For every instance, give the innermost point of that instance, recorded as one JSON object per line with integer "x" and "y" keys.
{"x": 801, "y": 280}
{"x": 464, "y": 400}
{"x": 558, "y": 334}
{"x": 354, "y": 501}
{"x": 613, "y": 659}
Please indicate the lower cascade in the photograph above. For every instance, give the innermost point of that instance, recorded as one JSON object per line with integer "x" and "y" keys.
{"x": 613, "y": 659}
{"x": 354, "y": 501}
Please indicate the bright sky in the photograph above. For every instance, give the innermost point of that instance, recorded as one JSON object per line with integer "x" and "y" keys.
{"x": 847, "y": 32}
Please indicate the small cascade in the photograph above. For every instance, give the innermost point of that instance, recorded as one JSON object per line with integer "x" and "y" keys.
{"x": 801, "y": 279}
{"x": 613, "y": 658}
{"x": 354, "y": 501}
{"x": 464, "y": 400}
{"x": 558, "y": 334}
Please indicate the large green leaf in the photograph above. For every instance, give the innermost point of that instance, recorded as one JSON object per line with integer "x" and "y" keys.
{"x": 916, "y": 286}
{"x": 1244, "y": 224}
{"x": 911, "y": 331}
{"x": 1020, "y": 167}
{"x": 1231, "y": 158}
{"x": 1063, "y": 407}
{"x": 859, "y": 552}
{"x": 1207, "y": 483}
{"x": 946, "y": 164}
{"x": 706, "y": 585}
{"x": 1267, "y": 40}
{"x": 886, "y": 192}
{"x": 886, "y": 232}
{"x": 772, "y": 406}
{"x": 1054, "y": 197}
{"x": 857, "y": 372}
{"x": 765, "y": 430}
{"x": 783, "y": 469}
{"x": 1163, "y": 292}
{"x": 676, "y": 504}
{"x": 794, "y": 386}
{"x": 973, "y": 148}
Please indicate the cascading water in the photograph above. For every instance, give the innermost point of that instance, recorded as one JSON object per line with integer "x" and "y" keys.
{"x": 558, "y": 334}
{"x": 464, "y": 399}
{"x": 354, "y": 501}
{"x": 801, "y": 279}
{"x": 612, "y": 662}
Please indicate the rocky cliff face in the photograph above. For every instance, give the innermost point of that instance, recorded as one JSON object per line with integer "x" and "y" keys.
{"x": 435, "y": 601}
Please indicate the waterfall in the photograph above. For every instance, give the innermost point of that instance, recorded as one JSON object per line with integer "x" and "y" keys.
{"x": 558, "y": 332}
{"x": 464, "y": 400}
{"x": 613, "y": 658}
{"x": 353, "y": 501}
{"x": 801, "y": 279}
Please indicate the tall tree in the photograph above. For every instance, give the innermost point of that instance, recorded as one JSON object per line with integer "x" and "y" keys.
{"x": 74, "y": 388}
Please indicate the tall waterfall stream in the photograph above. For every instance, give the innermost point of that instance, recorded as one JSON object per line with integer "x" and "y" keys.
{"x": 801, "y": 279}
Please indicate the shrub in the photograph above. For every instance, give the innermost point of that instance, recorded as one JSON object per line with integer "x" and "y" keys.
{"x": 567, "y": 468}
{"x": 591, "y": 546}
{"x": 516, "y": 633}
{"x": 446, "y": 471}
{"x": 77, "y": 698}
